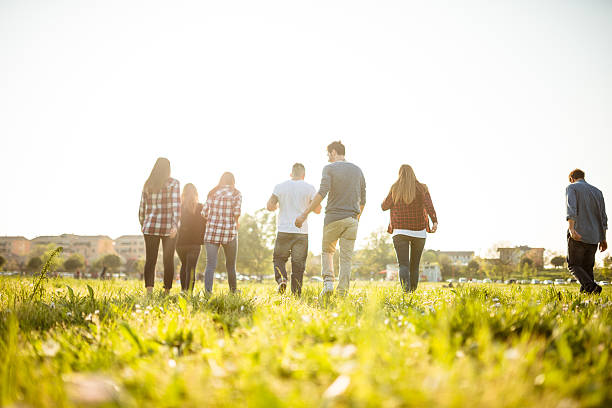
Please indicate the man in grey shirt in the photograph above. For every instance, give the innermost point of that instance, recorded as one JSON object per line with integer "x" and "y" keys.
{"x": 344, "y": 185}
{"x": 588, "y": 222}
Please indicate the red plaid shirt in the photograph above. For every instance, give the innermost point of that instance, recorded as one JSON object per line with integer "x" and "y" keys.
{"x": 411, "y": 216}
{"x": 220, "y": 211}
{"x": 161, "y": 211}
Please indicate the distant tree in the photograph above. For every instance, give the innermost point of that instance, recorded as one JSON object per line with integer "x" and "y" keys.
{"x": 2, "y": 261}
{"x": 607, "y": 261}
{"x": 111, "y": 261}
{"x": 256, "y": 236}
{"x": 473, "y": 266}
{"x": 74, "y": 262}
{"x": 429, "y": 257}
{"x": 557, "y": 261}
{"x": 34, "y": 264}
{"x": 377, "y": 254}
{"x": 526, "y": 261}
{"x": 446, "y": 266}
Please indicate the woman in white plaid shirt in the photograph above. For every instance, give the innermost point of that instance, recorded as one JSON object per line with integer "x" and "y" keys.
{"x": 222, "y": 210}
{"x": 159, "y": 215}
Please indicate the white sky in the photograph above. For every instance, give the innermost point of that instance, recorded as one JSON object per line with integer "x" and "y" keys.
{"x": 491, "y": 102}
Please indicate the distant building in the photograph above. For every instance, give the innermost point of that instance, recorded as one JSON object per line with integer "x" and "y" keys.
{"x": 130, "y": 247}
{"x": 90, "y": 247}
{"x": 14, "y": 247}
{"x": 513, "y": 256}
{"x": 457, "y": 257}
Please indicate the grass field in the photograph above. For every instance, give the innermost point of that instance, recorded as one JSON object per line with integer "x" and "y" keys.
{"x": 104, "y": 343}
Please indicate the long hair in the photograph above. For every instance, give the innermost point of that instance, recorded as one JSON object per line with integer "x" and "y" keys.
{"x": 189, "y": 198}
{"x": 405, "y": 188}
{"x": 158, "y": 177}
{"x": 227, "y": 179}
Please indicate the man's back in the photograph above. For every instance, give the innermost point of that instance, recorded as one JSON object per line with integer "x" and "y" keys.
{"x": 293, "y": 196}
{"x": 345, "y": 185}
{"x": 585, "y": 205}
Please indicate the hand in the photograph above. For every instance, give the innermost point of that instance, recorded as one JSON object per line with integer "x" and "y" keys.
{"x": 173, "y": 232}
{"x": 299, "y": 221}
{"x": 603, "y": 245}
{"x": 575, "y": 235}
{"x": 434, "y": 227}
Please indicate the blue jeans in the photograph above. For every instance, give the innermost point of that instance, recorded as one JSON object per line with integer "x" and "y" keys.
{"x": 408, "y": 250}
{"x": 212, "y": 250}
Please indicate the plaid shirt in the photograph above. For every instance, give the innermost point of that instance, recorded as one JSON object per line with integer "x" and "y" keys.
{"x": 411, "y": 216}
{"x": 220, "y": 211}
{"x": 161, "y": 211}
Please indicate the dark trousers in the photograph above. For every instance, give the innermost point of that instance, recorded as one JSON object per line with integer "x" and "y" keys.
{"x": 212, "y": 251}
{"x": 294, "y": 246}
{"x": 151, "y": 249}
{"x": 580, "y": 261}
{"x": 188, "y": 255}
{"x": 408, "y": 250}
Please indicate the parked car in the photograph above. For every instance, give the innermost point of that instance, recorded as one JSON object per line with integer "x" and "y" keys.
{"x": 451, "y": 280}
{"x": 462, "y": 280}
{"x": 604, "y": 283}
{"x": 510, "y": 281}
{"x": 487, "y": 280}
{"x": 535, "y": 282}
{"x": 559, "y": 282}
{"x": 547, "y": 282}
{"x": 571, "y": 280}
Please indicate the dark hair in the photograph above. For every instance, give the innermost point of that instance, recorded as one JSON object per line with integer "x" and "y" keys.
{"x": 227, "y": 179}
{"x": 159, "y": 175}
{"x": 337, "y": 146}
{"x": 298, "y": 169}
{"x": 576, "y": 174}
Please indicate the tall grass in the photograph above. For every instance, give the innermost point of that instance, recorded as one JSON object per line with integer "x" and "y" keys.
{"x": 82, "y": 343}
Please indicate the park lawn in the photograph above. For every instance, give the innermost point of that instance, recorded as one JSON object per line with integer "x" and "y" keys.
{"x": 104, "y": 343}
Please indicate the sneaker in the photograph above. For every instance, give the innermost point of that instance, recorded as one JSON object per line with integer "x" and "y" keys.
{"x": 282, "y": 286}
{"x": 328, "y": 288}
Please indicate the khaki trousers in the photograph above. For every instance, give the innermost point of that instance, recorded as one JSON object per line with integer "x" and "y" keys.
{"x": 345, "y": 231}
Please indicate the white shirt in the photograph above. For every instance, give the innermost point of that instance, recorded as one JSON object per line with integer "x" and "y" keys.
{"x": 294, "y": 197}
{"x": 410, "y": 233}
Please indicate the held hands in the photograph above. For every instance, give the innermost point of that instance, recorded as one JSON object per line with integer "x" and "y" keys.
{"x": 173, "y": 232}
{"x": 575, "y": 235}
{"x": 300, "y": 220}
{"x": 603, "y": 245}
{"x": 434, "y": 227}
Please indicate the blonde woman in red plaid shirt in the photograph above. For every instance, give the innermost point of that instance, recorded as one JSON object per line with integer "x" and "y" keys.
{"x": 410, "y": 205}
{"x": 160, "y": 212}
{"x": 222, "y": 210}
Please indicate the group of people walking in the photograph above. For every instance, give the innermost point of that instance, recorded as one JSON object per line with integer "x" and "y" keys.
{"x": 180, "y": 222}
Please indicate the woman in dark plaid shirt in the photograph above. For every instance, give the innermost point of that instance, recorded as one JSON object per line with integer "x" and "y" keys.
{"x": 410, "y": 205}
{"x": 222, "y": 210}
{"x": 160, "y": 212}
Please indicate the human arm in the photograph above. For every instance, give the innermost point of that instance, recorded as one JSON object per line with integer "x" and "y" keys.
{"x": 175, "y": 198}
{"x": 362, "y": 195}
{"x": 314, "y": 204}
{"x": 571, "y": 204}
{"x": 387, "y": 203}
{"x": 272, "y": 203}
{"x": 431, "y": 211}
{"x": 237, "y": 205}
{"x": 143, "y": 208}
{"x": 603, "y": 245}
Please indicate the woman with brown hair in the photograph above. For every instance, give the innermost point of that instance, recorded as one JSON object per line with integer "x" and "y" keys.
{"x": 411, "y": 208}
{"x": 159, "y": 215}
{"x": 222, "y": 210}
{"x": 190, "y": 235}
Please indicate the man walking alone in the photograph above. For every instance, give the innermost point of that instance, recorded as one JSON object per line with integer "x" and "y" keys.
{"x": 293, "y": 197}
{"x": 345, "y": 184}
{"x": 588, "y": 222}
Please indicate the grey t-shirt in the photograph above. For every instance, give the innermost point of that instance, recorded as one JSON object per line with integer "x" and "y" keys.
{"x": 585, "y": 205}
{"x": 345, "y": 184}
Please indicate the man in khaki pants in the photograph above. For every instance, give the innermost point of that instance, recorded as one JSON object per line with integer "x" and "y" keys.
{"x": 345, "y": 184}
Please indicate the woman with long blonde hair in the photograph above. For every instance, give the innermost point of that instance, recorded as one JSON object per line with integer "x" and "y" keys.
{"x": 411, "y": 207}
{"x": 190, "y": 235}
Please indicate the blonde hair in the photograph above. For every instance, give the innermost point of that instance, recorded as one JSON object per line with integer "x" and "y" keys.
{"x": 405, "y": 188}
{"x": 189, "y": 198}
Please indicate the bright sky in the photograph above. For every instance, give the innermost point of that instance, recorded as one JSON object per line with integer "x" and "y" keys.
{"x": 491, "y": 102}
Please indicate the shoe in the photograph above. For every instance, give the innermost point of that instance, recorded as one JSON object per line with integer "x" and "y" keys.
{"x": 597, "y": 290}
{"x": 328, "y": 288}
{"x": 282, "y": 286}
